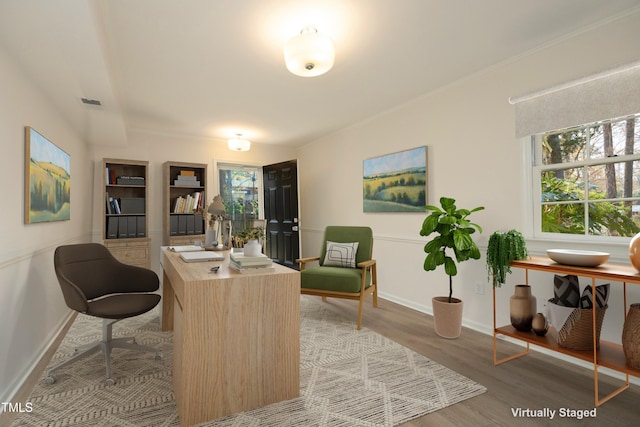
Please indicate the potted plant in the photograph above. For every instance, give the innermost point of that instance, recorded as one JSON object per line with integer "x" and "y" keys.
{"x": 452, "y": 233}
{"x": 502, "y": 249}
{"x": 252, "y": 238}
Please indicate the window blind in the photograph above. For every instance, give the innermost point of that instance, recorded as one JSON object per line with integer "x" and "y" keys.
{"x": 611, "y": 94}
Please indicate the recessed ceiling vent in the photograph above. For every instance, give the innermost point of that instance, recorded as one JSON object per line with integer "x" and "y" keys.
{"x": 90, "y": 101}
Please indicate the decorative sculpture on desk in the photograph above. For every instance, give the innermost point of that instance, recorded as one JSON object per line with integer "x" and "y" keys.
{"x": 216, "y": 212}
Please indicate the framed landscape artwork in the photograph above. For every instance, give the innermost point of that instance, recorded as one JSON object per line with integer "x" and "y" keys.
{"x": 47, "y": 180}
{"x": 396, "y": 182}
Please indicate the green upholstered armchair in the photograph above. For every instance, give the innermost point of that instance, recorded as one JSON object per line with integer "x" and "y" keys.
{"x": 345, "y": 268}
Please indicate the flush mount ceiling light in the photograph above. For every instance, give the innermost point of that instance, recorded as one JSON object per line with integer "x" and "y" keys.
{"x": 238, "y": 143}
{"x": 309, "y": 54}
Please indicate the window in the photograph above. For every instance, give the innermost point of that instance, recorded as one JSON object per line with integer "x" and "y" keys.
{"x": 586, "y": 180}
{"x": 240, "y": 188}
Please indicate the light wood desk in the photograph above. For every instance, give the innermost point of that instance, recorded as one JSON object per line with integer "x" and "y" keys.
{"x": 236, "y": 337}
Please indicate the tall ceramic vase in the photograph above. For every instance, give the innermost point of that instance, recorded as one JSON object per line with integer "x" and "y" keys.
{"x": 522, "y": 308}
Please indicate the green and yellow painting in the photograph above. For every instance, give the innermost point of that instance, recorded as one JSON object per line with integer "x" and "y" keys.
{"x": 396, "y": 182}
{"x": 47, "y": 180}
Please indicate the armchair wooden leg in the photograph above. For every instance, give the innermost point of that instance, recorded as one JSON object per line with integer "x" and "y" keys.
{"x": 324, "y": 299}
{"x": 374, "y": 282}
{"x": 360, "y": 304}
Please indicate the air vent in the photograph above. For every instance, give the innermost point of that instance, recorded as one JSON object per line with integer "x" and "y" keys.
{"x": 90, "y": 101}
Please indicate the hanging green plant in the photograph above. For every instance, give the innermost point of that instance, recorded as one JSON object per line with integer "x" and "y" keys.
{"x": 503, "y": 248}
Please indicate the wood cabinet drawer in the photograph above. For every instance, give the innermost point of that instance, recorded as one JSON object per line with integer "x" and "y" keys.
{"x": 132, "y": 253}
{"x": 129, "y": 254}
{"x": 187, "y": 240}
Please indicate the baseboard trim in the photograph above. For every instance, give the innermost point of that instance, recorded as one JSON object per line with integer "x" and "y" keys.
{"x": 22, "y": 388}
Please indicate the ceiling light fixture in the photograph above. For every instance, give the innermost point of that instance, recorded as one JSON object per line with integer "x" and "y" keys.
{"x": 238, "y": 143}
{"x": 310, "y": 53}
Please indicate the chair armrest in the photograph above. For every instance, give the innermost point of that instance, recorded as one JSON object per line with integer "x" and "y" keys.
{"x": 303, "y": 261}
{"x": 367, "y": 263}
{"x": 130, "y": 278}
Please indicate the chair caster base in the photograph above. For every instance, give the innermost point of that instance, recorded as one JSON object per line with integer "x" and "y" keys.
{"x": 50, "y": 380}
{"x": 109, "y": 381}
{"x": 158, "y": 356}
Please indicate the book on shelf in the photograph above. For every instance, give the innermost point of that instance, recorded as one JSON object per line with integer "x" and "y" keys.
{"x": 186, "y": 184}
{"x": 130, "y": 180}
{"x": 188, "y": 203}
{"x": 110, "y": 176}
{"x": 186, "y": 181}
{"x": 116, "y": 205}
{"x": 184, "y": 172}
{"x": 109, "y": 205}
{"x": 189, "y": 178}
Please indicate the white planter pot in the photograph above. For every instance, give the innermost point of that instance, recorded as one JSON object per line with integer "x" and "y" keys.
{"x": 252, "y": 248}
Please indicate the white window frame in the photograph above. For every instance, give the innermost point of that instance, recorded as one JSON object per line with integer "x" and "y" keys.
{"x": 532, "y": 157}
{"x": 243, "y": 166}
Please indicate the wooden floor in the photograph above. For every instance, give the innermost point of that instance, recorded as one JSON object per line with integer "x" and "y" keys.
{"x": 535, "y": 381}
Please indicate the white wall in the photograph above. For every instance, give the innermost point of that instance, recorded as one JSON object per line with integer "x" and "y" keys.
{"x": 158, "y": 149}
{"x": 31, "y": 305}
{"x": 473, "y": 157}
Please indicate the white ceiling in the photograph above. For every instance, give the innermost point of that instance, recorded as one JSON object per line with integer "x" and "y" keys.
{"x": 210, "y": 68}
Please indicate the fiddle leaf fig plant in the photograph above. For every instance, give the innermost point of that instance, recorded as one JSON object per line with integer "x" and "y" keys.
{"x": 452, "y": 232}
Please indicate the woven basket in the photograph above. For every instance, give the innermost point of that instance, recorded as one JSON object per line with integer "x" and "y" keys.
{"x": 631, "y": 336}
{"x": 577, "y": 332}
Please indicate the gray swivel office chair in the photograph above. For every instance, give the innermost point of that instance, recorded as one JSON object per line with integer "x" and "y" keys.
{"x": 93, "y": 282}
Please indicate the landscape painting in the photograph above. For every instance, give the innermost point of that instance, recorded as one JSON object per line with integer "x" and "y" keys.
{"x": 396, "y": 182}
{"x": 47, "y": 180}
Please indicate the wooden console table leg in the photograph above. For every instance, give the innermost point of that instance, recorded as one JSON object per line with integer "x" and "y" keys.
{"x": 620, "y": 389}
{"x": 495, "y": 336}
{"x": 611, "y": 395}
{"x": 508, "y": 358}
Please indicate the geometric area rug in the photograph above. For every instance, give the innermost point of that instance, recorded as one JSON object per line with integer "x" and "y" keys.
{"x": 347, "y": 378}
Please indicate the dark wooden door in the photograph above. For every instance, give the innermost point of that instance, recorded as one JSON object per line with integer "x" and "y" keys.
{"x": 281, "y": 212}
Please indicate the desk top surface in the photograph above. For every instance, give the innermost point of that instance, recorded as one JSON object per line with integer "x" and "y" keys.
{"x": 201, "y": 270}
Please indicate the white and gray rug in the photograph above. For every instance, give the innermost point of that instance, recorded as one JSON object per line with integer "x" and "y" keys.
{"x": 347, "y": 378}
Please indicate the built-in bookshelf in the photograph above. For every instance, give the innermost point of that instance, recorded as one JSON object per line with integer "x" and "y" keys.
{"x": 184, "y": 201}
{"x": 125, "y": 222}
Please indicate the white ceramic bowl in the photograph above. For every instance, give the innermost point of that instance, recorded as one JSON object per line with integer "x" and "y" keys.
{"x": 578, "y": 257}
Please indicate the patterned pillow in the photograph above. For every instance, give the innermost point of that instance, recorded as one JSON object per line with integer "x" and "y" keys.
{"x": 602, "y": 296}
{"x": 566, "y": 290}
{"x": 341, "y": 254}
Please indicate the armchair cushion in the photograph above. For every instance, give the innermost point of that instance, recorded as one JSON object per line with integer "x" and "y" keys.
{"x": 334, "y": 279}
{"x": 341, "y": 254}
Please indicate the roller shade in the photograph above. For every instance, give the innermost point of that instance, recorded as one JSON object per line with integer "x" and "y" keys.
{"x": 611, "y": 94}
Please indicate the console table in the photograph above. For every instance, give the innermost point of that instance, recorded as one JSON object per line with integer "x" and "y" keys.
{"x": 609, "y": 355}
{"x": 236, "y": 337}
